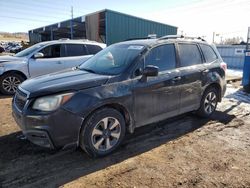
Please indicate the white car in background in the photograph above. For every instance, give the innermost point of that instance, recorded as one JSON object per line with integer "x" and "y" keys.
{"x": 44, "y": 58}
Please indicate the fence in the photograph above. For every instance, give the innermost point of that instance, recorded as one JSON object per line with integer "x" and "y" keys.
{"x": 233, "y": 55}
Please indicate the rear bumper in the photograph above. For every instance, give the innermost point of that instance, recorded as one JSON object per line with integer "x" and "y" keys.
{"x": 223, "y": 89}
{"x": 59, "y": 129}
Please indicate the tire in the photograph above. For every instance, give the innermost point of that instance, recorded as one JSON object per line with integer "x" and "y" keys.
{"x": 209, "y": 102}
{"x": 9, "y": 83}
{"x": 102, "y": 132}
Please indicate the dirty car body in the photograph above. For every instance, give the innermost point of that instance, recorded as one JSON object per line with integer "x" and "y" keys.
{"x": 140, "y": 89}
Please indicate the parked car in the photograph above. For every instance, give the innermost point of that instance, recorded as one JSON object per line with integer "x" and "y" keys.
{"x": 44, "y": 58}
{"x": 125, "y": 86}
{"x": 12, "y": 47}
{"x": 2, "y": 49}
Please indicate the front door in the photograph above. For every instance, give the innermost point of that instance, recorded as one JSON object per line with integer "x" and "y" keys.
{"x": 158, "y": 97}
{"x": 51, "y": 62}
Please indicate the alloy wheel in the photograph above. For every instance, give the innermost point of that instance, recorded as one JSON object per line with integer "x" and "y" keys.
{"x": 106, "y": 134}
{"x": 210, "y": 102}
{"x": 10, "y": 84}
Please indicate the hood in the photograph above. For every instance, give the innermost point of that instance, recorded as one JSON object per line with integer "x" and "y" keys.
{"x": 62, "y": 81}
{"x": 7, "y": 58}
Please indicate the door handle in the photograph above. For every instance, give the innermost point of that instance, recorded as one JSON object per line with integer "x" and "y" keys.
{"x": 177, "y": 78}
{"x": 59, "y": 62}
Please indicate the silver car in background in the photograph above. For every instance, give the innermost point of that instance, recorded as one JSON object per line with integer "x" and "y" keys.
{"x": 44, "y": 58}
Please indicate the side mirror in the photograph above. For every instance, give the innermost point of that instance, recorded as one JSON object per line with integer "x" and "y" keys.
{"x": 38, "y": 55}
{"x": 150, "y": 70}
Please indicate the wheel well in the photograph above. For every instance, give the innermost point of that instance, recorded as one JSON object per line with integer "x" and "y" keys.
{"x": 217, "y": 87}
{"x": 117, "y": 107}
{"x": 122, "y": 110}
{"x": 16, "y": 72}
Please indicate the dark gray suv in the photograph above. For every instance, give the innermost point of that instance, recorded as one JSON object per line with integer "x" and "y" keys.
{"x": 125, "y": 86}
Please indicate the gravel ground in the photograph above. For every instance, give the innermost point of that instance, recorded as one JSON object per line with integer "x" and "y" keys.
{"x": 184, "y": 151}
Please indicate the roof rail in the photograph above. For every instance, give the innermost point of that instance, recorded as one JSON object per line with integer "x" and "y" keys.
{"x": 180, "y": 36}
{"x": 150, "y": 36}
{"x": 64, "y": 39}
{"x": 171, "y": 37}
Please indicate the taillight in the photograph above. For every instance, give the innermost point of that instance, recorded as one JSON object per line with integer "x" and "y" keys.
{"x": 223, "y": 65}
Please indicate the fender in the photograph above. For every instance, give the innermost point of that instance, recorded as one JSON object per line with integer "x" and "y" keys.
{"x": 214, "y": 78}
{"x": 115, "y": 95}
{"x": 20, "y": 67}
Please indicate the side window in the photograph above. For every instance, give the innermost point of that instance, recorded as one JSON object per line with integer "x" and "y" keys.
{"x": 93, "y": 49}
{"x": 189, "y": 55}
{"x": 208, "y": 53}
{"x": 52, "y": 51}
{"x": 75, "y": 50}
{"x": 162, "y": 57}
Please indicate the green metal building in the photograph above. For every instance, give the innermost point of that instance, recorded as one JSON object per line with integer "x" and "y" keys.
{"x": 105, "y": 26}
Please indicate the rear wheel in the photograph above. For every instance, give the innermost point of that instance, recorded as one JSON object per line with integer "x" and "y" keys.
{"x": 103, "y": 132}
{"x": 208, "y": 103}
{"x": 9, "y": 83}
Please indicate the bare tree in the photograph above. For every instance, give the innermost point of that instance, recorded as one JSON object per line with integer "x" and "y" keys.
{"x": 234, "y": 40}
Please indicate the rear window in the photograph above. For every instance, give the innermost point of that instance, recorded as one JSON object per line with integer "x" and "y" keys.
{"x": 189, "y": 55}
{"x": 208, "y": 53}
{"x": 75, "y": 50}
{"x": 93, "y": 49}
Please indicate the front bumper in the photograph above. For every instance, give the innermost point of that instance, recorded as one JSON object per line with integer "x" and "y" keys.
{"x": 55, "y": 130}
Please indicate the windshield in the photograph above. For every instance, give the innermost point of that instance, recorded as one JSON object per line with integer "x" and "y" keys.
{"x": 28, "y": 51}
{"x": 112, "y": 60}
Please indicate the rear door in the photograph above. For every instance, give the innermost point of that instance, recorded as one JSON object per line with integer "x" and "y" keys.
{"x": 51, "y": 62}
{"x": 190, "y": 67}
{"x": 75, "y": 55}
{"x": 211, "y": 59}
{"x": 158, "y": 97}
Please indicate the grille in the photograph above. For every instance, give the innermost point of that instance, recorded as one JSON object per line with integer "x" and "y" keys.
{"x": 20, "y": 99}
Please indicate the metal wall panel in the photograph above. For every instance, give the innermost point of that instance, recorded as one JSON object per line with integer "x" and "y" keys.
{"x": 120, "y": 27}
{"x": 233, "y": 55}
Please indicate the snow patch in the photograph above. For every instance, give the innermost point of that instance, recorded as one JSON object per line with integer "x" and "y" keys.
{"x": 234, "y": 72}
{"x": 237, "y": 94}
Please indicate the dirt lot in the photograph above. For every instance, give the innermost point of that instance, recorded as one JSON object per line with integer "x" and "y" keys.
{"x": 181, "y": 152}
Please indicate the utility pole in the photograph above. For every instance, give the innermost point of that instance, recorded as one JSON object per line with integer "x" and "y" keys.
{"x": 215, "y": 35}
{"x": 71, "y": 23}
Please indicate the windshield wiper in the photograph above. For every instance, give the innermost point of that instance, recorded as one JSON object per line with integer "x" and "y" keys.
{"x": 88, "y": 70}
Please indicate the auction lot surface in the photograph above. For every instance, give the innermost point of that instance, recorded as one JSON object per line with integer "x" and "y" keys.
{"x": 181, "y": 152}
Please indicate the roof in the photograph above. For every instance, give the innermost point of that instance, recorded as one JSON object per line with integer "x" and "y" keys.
{"x": 103, "y": 10}
{"x": 80, "y": 41}
{"x": 153, "y": 42}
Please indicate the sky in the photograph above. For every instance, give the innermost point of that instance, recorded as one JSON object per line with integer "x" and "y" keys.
{"x": 225, "y": 18}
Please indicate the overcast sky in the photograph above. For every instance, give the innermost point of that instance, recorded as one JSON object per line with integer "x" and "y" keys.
{"x": 228, "y": 18}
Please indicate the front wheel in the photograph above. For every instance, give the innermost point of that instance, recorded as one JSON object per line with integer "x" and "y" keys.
{"x": 208, "y": 102}
{"x": 9, "y": 83}
{"x": 103, "y": 132}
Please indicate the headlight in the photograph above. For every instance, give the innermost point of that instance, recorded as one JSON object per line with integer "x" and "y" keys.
{"x": 50, "y": 103}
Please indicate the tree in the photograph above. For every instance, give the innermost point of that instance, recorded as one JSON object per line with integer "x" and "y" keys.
{"x": 234, "y": 40}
